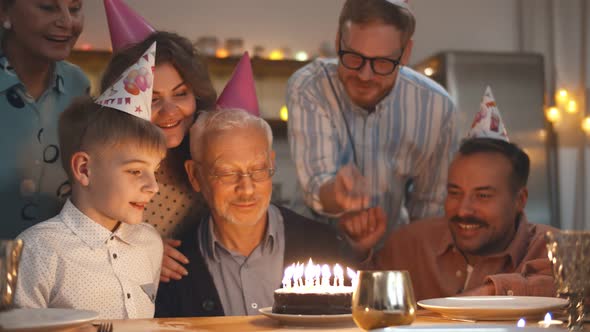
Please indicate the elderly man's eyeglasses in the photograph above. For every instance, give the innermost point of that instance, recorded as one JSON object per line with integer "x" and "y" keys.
{"x": 258, "y": 175}
{"x": 380, "y": 65}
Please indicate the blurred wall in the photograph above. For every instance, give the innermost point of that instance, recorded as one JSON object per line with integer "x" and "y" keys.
{"x": 480, "y": 25}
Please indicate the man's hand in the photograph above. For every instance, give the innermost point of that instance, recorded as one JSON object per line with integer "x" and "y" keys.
{"x": 171, "y": 268}
{"x": 364, "y": 228}
{"x": 486, "y": 289}
{"x": 347, "y": 191}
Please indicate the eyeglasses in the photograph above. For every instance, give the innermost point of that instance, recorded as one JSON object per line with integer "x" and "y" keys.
{"x": 258, "y": 175}
{"x": 379, "y": 65}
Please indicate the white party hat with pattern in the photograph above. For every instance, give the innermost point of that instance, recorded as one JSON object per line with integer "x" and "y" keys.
{"x": 132, "y": 92}
{"x": 400, "y": 3}
{"x": 488, "y": 122}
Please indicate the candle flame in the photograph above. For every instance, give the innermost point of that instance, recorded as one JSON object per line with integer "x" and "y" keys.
{"x": 312, "y": 275}
{"x": 548, "y": 318}
{"x": 521, "y": 323}
{"x": 351, "y": 273}
{"x": 326, "y": 271}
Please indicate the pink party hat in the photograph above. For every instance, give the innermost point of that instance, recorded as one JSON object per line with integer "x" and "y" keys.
{"x": 240, "y": 91}
{"x": 488, "y": 122}
{"x": 125, "y": 25}
{"x": 132, "y": 92}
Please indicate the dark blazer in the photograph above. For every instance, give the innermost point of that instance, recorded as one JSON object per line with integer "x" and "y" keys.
{"x": 195, "y": 295}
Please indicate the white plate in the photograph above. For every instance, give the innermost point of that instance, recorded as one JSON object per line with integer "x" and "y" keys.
{"x": 457, "y": 327}
{"x": 493, "y": 307}
{"x": 307, "y": 319}
{"x": 22, "y": 320}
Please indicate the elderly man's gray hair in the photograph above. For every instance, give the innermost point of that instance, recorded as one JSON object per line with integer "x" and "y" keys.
{"x": 224, "y": 119}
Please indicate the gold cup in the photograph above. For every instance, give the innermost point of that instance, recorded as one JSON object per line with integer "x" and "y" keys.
{"x": 10, "y": 251}
{"x": 383, "y": 298}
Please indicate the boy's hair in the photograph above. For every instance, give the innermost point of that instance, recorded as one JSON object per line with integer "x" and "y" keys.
{"x": 173, "y": 49}
{"x": 516, "y": 156}
{"x": 85, "y": 126}
{"x": 382, "y": 11}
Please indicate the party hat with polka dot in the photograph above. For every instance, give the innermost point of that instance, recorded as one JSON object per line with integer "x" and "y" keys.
{"x": 132, "y": 92}
{"x": 488, "y": 122}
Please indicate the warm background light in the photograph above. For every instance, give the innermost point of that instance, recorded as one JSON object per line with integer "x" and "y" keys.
{"x": 586, "y": 125}
{"x": 572, "y": 107}
{"x": 221, "y": 53}
{"x": 276, "y": 55}
{"x": 561, "y": 96}
{"x": 284, "y": 113}
{"x": 301, "y": 56}
{"x": 553, "y": 115}
{"x": 428, "y": 71}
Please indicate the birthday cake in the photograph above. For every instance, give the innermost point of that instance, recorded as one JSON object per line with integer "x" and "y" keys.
{"x": 313, "y": 290}
{"x": 313, "y": 302}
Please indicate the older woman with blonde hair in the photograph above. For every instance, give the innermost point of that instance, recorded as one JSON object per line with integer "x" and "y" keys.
{"x": 36, "y": 85}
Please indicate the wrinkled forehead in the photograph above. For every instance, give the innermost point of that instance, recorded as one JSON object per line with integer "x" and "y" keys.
{"x": 236, "y": 146}
{"x": 480, "y": 169}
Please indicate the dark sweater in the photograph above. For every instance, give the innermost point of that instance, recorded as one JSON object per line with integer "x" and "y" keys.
{"x": 195, "y": 295}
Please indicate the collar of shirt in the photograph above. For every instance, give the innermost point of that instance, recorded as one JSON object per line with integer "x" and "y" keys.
{"x": 90, "y": 232}
{"x": 11, "y": 79}
{"x": 208, "y": 237}
{"x": 515, "y": 250}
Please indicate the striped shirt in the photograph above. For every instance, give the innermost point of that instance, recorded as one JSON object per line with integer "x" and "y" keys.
{"x": 403, "y": 148}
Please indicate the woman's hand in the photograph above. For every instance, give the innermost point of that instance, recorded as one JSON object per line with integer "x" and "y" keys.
{"x": 171, "y": 262}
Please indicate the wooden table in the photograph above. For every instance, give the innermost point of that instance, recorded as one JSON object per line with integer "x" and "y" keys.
{"x": 250, "y": 323}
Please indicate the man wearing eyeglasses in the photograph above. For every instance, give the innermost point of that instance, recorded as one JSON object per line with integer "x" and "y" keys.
{"x": 370, "y": 137}
{"x": 237, "y": 253}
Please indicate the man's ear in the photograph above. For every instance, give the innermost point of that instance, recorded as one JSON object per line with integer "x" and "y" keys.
{"x": 273, "y": 158}
{"x": 407, "y": 52}
{"x": 191, "y": 170}
{"x": 521, "y": 199}
{"x": 80, "y": 166}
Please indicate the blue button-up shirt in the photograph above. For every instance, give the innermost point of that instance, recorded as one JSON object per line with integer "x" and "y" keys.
{"x": 33, "y": 184}
{"x": 246, "y": 284}
{"x": 403, "y": 147}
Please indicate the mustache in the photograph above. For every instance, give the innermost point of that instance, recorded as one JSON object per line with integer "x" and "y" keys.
{"x": 468, "y": 220}
{"x": 246, "y": 200}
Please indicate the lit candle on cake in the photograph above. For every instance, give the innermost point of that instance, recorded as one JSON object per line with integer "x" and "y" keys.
{"x": 326, "y": 276}
{"x": 314, "y": 289}
{"x": 309, "y": 274}
{"x": 353, "y": 275}
{"x": 338, "y": 276}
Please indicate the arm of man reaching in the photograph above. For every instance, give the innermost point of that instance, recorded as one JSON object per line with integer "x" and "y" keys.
{"x": 533, "y": 276}
{"x": 329, "y": 188}
{"x": 363, "y": 230}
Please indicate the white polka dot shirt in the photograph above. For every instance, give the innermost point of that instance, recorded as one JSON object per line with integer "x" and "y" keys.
{"x": 70, "y": 261}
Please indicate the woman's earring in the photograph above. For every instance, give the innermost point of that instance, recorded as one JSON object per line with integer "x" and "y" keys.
{"x": 6, "y": 25}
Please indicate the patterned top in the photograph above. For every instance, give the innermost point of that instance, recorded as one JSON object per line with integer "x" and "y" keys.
{"x": 403, "y": 148}
{"x": 176, "y": 206}
{"x": 70, "y": 261}
{"x": 33, "y": 184}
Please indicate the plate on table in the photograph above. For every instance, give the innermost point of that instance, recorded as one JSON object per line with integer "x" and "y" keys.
{"x": 307, "y": 319}
{"x": 48, "y": 319}
{"x": 465, "y": 328}
{"x": 493, "y": 307}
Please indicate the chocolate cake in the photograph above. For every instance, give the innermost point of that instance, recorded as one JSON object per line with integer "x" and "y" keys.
{"x": 316, "y": 301}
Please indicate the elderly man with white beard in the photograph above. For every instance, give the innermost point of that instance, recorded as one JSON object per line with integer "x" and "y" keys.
{"x": 238, "y": 251}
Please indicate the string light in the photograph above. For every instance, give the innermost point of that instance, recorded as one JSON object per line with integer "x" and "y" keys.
{"x": 586, "y": 125}
{"x": 276, "y": 55}
{"x": 301, "y": 56}
{"x": 221, "y": 53}
{"x": 572, "y": 106}
{"x": 561, "y": 96}
{"x": 428, "y": 71}
{"x": 284, "y": 113}
{"x": 553, "y": 115}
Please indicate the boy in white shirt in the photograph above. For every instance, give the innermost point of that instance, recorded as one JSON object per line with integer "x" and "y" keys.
{"x": 97, "y": 254}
